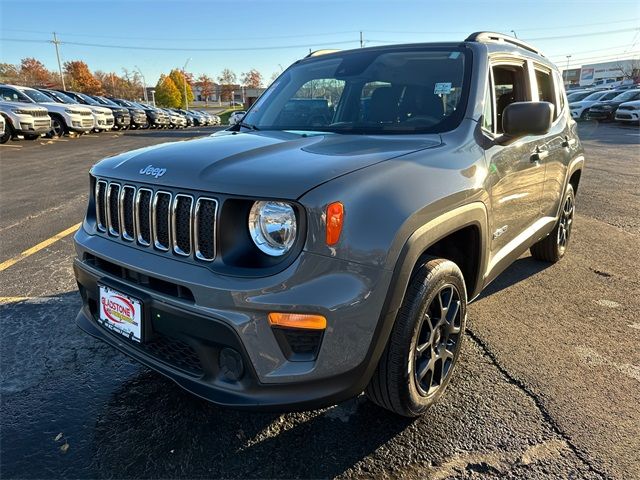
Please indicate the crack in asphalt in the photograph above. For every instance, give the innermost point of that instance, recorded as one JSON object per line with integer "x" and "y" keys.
{"x": 581, "y": 455}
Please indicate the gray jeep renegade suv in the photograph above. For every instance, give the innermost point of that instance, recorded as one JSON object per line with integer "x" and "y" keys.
{"x": 329, "y": 243}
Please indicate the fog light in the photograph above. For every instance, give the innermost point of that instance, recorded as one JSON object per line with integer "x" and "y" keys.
{"x": 231, "y": 365}
{"x": 75, "y": 124}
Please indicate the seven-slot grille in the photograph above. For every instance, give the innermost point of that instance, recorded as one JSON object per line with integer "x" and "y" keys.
{"x": 178, "y": 223}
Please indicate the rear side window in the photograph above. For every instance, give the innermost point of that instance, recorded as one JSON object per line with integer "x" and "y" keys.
{"x": 546, "y": 92}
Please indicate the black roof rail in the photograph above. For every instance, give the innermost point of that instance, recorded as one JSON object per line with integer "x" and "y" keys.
{"x": 500, "y": 37}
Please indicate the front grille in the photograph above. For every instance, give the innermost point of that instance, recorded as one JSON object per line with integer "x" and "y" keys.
{"x": 101, "y": 205}
{"x": 204, "y": 228}
{"x": 179, "y": 224}
{"x": 39, "y": 113}
{"x": 113, "y": 215}
{"x": 87, "y": 122}
{"x": 161, "y": 219}
{"x": 126, "y": 212}
{"x": 42, "y": 123}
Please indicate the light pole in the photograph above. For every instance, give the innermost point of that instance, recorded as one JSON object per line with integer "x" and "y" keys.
{"x": 566, "y": 72}
{"x": 144, "y": 84}
{"x": 184, "y": 74}
{"x": 514, "y": 33}
{"x": 153, "y": 96}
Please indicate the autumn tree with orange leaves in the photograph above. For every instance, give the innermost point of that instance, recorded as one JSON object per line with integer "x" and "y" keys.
{"x": 252, "y": 79}
{"x": 80, "y": 78}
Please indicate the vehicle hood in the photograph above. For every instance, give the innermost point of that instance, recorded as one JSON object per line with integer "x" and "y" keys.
{"x": 22, "y": 105}
{"x": 632, "y": 103}
{"x": 259, "y": 164}
{"x": 99, "y": 110}
{"x": 60, "y": 107}
{"x": 608, "y": 103}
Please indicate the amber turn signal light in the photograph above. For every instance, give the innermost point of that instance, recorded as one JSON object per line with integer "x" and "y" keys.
{"x": 297, "y": 320}
{"x": 335, "y": 217}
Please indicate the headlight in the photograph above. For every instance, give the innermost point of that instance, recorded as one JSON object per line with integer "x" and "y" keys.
{"x": 273, "y": 226}
{"x": 606, "y": 107}
{"x": 72, "y": 111}
{"x": 19, "y": 111}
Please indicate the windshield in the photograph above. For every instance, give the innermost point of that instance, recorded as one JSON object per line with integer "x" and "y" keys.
{"x": 595, "y": 96}
{"x": 61, "y": 97}
{"x": 576, "y": 97}
{"x": 37, "y": 96}
{"x": 10, "y": 95}
{"x": 87, "y": 99}
{"x": 628, "y": 95}
{"x": 391, "y": 90}
{"x": 106, "y": 101}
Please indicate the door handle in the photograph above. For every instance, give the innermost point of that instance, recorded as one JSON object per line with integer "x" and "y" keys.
{"x": 568, "y": 142}
{"x": 538, "y": 155}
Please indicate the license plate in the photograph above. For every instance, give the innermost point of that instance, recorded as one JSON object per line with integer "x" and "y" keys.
{"x": 121, "y": 313}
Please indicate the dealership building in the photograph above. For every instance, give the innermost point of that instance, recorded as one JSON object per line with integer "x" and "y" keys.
{"x": 606, "y": 73}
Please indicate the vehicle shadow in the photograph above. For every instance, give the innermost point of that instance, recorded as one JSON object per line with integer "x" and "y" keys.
{"x": 518, "y": 271}
{"x": 150, "y": 425}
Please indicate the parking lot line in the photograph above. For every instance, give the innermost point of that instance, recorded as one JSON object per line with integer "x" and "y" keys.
{"x": 11, "y": 146}
{"x": 7, "y": 300}
{"x": 44, "y": 244}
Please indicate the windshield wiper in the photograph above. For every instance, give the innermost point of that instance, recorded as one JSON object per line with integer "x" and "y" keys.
{"x": 248, "y": 125}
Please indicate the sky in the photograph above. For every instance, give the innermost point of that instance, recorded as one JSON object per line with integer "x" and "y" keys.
{"x": 155, "y": 36}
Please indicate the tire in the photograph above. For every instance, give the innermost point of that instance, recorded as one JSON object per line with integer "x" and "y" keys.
{"x": 8, "y": 132}
{"x": 411, "y": 374}
{"x": 584, "y": 116}
{"x": 553, "y": 247}
{"x": 31, "y": 137}
{"x": 58, "y": 127}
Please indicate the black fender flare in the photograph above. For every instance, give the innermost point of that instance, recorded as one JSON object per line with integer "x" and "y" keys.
{"x": 472, "y": 214}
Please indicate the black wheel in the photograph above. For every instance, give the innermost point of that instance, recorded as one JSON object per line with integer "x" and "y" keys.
{"x": 553, "y": 247}
{"x": 584, "y": 115}
{"x": 8, "y": 132}
{"x": 424, "y": 345}
{"x": 58, "y": 127}
{"x": 145, "y": 125}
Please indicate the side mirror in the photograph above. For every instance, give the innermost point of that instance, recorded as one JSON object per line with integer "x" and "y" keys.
{"x": 527, "y": 118}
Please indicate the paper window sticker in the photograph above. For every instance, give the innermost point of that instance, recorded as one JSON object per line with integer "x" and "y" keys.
{"x": 442, "y": 88}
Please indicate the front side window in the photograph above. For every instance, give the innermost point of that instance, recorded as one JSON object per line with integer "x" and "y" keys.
{"x": 392, "y": 90}
{"x": 509, "y": 86}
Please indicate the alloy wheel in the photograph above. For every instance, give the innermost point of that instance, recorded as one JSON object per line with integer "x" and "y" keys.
{"x": 438, "y": 340}
{"x": 566, "y": 222}
{"x": 57, "y": 127}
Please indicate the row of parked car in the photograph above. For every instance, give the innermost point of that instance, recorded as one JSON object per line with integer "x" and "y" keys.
{"x": 33, "y": 112}
{"x": 622, "y": 104}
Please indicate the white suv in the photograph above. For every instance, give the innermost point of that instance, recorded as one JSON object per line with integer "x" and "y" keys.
{"x": 30, "y": 120}
{"x": 64, "y": 118}
{"x": 102, "y": 116}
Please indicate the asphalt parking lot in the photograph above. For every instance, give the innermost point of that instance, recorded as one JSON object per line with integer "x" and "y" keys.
{"x": 548, "y": 386}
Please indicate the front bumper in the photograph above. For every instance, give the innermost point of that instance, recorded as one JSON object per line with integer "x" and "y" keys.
{"x": 80, "y": 123}
{"x": 188, "y": 332}
{"x": 628, "y": 115}
{"x": 601, "y": 114}
{"x": 31, "y": 125}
